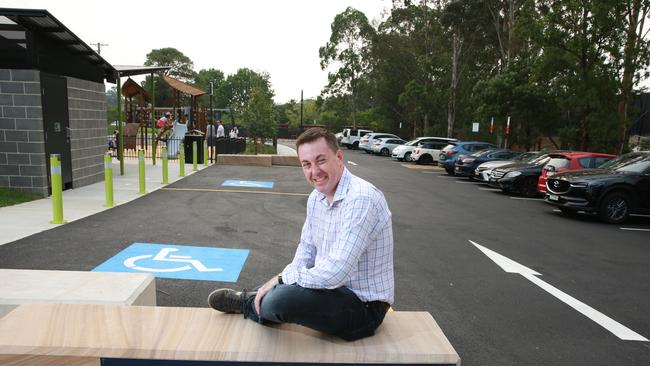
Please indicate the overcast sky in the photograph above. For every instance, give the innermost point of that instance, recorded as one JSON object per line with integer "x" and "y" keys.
{"x": 280, "y": 37}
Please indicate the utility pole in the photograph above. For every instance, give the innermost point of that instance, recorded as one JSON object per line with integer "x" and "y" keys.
{"x": 99, "y": 46}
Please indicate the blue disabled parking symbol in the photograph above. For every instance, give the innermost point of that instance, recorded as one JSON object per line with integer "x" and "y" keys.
{"x": 246, "y": 183}
{"x": 178, "y": 261}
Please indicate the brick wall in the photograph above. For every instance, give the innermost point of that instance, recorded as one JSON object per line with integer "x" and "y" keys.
{"x": 22, "y": 152}
{"x": 22, "y": 149}
{"x": 87, "y": 114}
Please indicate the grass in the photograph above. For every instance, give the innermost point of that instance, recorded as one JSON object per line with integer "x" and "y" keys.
{"x": 261, "y": 149}
{"x": 10, "y": 197}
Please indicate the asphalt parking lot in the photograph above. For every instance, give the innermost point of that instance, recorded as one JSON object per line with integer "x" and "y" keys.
{"x": 441, "y": 224}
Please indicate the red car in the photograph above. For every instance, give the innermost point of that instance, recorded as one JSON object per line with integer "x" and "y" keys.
{"x": 571, "y": 160}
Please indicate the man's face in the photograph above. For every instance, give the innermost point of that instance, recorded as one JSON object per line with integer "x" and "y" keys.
{"x": 322, "y": 167}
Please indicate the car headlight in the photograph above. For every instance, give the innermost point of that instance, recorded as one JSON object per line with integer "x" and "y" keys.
{"x": 516, "y": 173}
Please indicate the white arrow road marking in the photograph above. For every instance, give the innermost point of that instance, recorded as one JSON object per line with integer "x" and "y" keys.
{"x": 352, "y": 162}
{"x": 601, "y": 319}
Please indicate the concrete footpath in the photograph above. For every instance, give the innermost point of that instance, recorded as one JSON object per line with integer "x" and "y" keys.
{"x": 22, "y": 220}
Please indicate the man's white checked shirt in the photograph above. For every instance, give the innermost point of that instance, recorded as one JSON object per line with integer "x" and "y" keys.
{"x": 348, "y": 243}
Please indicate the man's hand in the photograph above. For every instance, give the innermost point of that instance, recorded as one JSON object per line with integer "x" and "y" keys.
{"x": 261, "y": 292}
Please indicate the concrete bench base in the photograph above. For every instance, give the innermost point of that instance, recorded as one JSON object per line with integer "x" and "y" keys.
{"x": 20, "y": 286}
{"x": 77, "y": 333}
{"x": 257, "y": 160}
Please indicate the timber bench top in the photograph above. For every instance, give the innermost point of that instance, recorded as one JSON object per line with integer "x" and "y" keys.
{"x": 172, "y": 333}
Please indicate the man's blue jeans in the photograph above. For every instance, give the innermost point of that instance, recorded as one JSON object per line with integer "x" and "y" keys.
{"x": 337, "y": 312}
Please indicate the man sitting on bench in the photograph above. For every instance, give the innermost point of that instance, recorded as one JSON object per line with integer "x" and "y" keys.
{"x": 341, "y": 280}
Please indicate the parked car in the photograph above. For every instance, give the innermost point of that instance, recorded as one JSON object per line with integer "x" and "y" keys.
{"x": 449, "y": 154}
{"x": 426, "y": 152}
{"x": 385, "y": 145}
{"x": 484, "y": 170}
{"x": 574, "y": 160}
{"x": 339, "y": 137}
{"x": 520, "y": 177}
{"x": 404, "y": 152}
{"x": 365, "y": 143}
{"x": 618, "y": 188}
{"x": 351, "y": 137}
{"x": 465, "y": 165}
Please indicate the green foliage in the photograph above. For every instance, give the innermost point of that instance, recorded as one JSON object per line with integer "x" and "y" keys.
{"x": 258, "y": 114}
{"x": 238, "y": 88}
{"x": 182, "y": 68}
{"x": 10, "y": 197}
{"x": 202, "y": 80}
{"x": 348, "y": 48}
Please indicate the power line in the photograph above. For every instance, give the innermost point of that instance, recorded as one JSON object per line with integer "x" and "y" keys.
{"x": 99, "y": 46}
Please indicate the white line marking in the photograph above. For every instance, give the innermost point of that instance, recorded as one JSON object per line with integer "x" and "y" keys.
{"x": 352, "y": 162}
{"x": 601, "y": 319}
{"x": 526, "y": 199}
{"x": 490, "y": 189}
{"x": 633, "y": 229}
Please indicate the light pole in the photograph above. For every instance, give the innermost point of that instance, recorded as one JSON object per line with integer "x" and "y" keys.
{"x": 211, "y": 92}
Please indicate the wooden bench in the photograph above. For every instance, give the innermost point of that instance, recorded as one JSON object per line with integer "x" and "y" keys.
{"x": 78, "y": 334}
{"x": 20, "y": 286}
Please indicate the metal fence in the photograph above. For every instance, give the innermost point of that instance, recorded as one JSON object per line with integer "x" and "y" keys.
{"x": 223, "y": 145}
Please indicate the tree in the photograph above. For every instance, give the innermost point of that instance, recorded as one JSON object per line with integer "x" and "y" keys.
{"x": 202, "y": 80}
{"x": 348, "y": 48}
{"x": 181, "y": 69}
{"x": 258, "y": 115}
{"x": 237, "y": 89}
{"x": 632, "y": 55}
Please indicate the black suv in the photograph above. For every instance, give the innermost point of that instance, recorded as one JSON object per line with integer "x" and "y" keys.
{"x": 614, "y": 191}
{"x": 520, "y": 177}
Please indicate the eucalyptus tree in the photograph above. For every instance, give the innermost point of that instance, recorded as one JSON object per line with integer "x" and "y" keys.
{"x": 347, "y": 51}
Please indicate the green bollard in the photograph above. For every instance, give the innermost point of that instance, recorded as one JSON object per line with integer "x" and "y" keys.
{"x": 108, "y": 180}
{"x": 57, "y": 190}
{"x": 181, "y": 161}
{"x": 164, "y": 167}
{"x": 195, "y": 158}
{"x": 205, "y": 153}
{"x": 143, "y": 189}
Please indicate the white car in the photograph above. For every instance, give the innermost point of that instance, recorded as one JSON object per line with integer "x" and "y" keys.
{"x": 484, "y": 171}
{"x": 404, "y": 152}
{"x": 385, "y": 145}
{"x": 351, "y": 137}
{"x": 366, "y": 141}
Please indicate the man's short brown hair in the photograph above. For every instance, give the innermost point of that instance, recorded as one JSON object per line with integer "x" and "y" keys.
{"x": 314, "y": 133}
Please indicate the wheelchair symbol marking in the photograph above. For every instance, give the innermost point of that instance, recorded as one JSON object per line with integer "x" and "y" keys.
{"x": 163, "y": 256}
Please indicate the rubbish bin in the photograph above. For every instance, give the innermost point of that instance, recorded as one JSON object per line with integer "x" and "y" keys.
{"x": 188, "y": 141}
{"x": 221, "y": 145}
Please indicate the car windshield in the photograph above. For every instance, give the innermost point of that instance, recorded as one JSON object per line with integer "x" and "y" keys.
{"x": 448, "y": 147}
{"x": 481, "y": 152}
{"x": 634, "y": 162}
{"x": 528, "y": 156}
{"x": 558, "y": 162}
{"x": 412, "y": 143}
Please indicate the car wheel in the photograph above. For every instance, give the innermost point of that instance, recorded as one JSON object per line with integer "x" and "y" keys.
{"x": 426, "y": 159}
{"x": 355, "y": 145}
{"x": 450, "y": 171}
{"x": 528, "y": 187}
{"x": 407, "y": 156}
{"x": 384, "y": 152}
{"x": 615, "y": 208}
